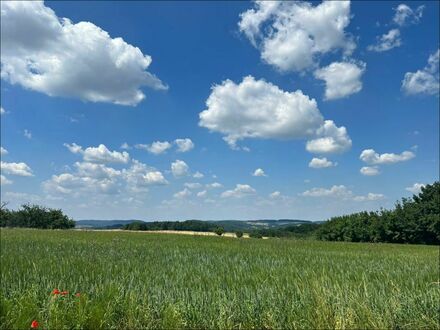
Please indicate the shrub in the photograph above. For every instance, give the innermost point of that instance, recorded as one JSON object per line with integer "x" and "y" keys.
{"x": 255, "y": 234}
{"x": 219, "y": 231}
{"x": 239, "y": 234}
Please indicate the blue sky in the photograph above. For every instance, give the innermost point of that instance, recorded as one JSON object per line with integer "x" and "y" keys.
{"x": 352, "y": 86}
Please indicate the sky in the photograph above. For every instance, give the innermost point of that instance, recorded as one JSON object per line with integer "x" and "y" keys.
{"x": 218, "y": 110}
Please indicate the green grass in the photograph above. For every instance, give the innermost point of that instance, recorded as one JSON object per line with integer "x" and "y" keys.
{"x": 141, "y": 280}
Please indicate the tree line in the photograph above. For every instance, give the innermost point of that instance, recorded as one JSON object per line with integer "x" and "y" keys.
{"x": 414, "y": 220}
{"x": 34, "y": 216}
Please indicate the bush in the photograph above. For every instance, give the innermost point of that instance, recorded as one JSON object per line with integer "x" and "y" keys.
{"x": 239, "y": 234}
{"x": 35, "y": 216}
{"x": 255, "y": 234}
{"x": 219, "y": 231}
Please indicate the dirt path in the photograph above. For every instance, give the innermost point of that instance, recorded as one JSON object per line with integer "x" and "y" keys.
{"x": 180, "y": 232}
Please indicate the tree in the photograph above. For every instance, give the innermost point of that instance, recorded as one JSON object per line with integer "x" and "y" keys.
{"x": 219, "y": 231}
{"x": 239, "y": 234}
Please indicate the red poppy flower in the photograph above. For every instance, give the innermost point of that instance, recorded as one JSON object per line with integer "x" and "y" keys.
{"x": 78, "y": 294}
{"x": 56, "y": 291}
{"x": 65, "y": 293}
{"x": 34, "y": 324}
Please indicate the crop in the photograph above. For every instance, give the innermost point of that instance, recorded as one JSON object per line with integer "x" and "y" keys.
{"x": 125, "y": 280}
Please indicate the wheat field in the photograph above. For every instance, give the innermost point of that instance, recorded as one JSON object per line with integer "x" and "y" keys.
{"x": 126, "y": 280}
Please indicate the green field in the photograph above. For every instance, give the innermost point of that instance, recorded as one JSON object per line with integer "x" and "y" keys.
{"x": 139, "y": 280}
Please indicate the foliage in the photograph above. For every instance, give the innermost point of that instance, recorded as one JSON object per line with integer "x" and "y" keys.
{"x": 256, "y": 234}
{"x": 414, "y": 220}
{"x": 190, "y": 225}
{"x": 219, "y": 231}
{"x": 238, "y": 234}
{"x": 35, "y": 216}
{"x": 131, "y": 280}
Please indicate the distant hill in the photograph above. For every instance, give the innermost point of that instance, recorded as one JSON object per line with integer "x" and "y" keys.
{"x": 228, "y": 225}
{"x": 102, "y": 224}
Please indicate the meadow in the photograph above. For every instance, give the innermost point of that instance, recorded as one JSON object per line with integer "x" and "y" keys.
{"x": 127, "y": 280}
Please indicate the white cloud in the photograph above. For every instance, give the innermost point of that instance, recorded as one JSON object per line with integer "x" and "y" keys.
{"x": 125, "y": 146}
{"x": 202, "y": 193}
{"x": 156, "y": 147}
{"x": 425, "y": 81}
{"x": 275, "y": 195}
{"x": 341, "y": 192}
{"x": 184, "y": 145}
{"x": 55, "y": 56}
{"x": 334, "y": 191}
{"x": 27, "y": 134}
{"x": 258, "y": 109}
{"x": 259, "y": 172}
{"x": 341, "y": 79}
{"x": 387, "y": 41}
{"x": 179, "y": 168}
{"x": 214, "y": 185}
{"x": 331, "y": 139}
{"x": 2, "y": 111}
{"x": 4, "y": 180}
{"x": 369, "y": 197}
{"x": 3, "y": 151}
{"x": 321, "y": 163}
{"x": 404, "y": 15}
{"x": 97, "y": 171}
{"x": 369, "y": 156}
{"x": 198, "y": 175}
{"x": 416, "y": 188}
{"x": 67, "y": 183}
{"x": 139, "y": 176}
{"x": 370, "y": 170}
{"x": 99, "y": 154}
{"x": 240, "y": 190}
{"x": 192, "y": 185}
{"x": 20, "y": 169}
{"x": 291, "y": 35}
{"x": 183, "y": 194}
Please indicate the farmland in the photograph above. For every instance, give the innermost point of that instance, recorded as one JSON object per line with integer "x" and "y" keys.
{"x": 134, "y": 280}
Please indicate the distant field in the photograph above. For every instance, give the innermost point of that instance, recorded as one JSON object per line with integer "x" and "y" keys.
{"x": 134, "y": 280}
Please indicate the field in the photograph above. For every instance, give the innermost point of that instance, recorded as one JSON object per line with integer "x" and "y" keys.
{"x": 142, "y": 280}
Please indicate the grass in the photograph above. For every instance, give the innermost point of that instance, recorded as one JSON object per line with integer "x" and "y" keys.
{"x": 140, "y": 280}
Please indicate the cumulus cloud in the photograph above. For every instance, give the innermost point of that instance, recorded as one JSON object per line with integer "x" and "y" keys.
{"x": 416, "y": 188}
{"x": 334, "y": 191}
{"x": 321, "y": 163}
{"x": 424, "y": 81}
{"x": 4, "y": 180}
{"x": 214, "y": 185}
{"x": 369, "y": 197}
{"x": 240, "y": 190}
{"x": 192, "y": 185}
{"x": 258, "y": 109}
{"x": 198, "y": 175}
{"x": 387, "y": 41}
{"x": 68, "y": 183}
{"x": 57, "y": 57}
{"x": 371, "y": 157}
{"x": 404, "y": 15}
{"x": 27, "y": 134}
{"x": 139, "y": 176}
{"x": 97, "y": 171}
{"x": 2, "y": 111}
{"x": 20, "y": 169}
{"x": 179, "y": 168}
{"x": 184, "y": 145}
{"x": 99, "y": 154}
{"x": 291, "y": 35}
{"x": 3, "y": 151}
{"x": 275, "y": 195}
{"x": 341, "y": 79}
{"x": 183, "y": 194}
{"x": 370, "y": 170}
{"x": 331, "y": 139}
{"x": 341, "y": 192}
{"x": 202, "y": 194}
{"x": 156, "y": 148}
{"x": 259, "y": 172}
